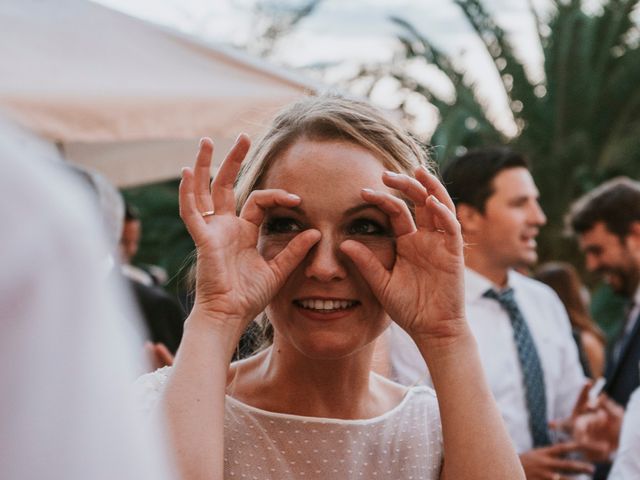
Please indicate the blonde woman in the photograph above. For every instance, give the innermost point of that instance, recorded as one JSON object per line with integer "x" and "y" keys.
{"x": 335, "y": 227}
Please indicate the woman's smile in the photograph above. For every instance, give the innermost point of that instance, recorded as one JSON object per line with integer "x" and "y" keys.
{"x": 325, "y": 309}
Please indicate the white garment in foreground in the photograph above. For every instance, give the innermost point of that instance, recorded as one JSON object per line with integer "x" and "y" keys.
{"x": 491, "y": 326}
{"x": 404, "y": 443}
{"x": 627, "y": 463}
{"x": 67, "y": 359}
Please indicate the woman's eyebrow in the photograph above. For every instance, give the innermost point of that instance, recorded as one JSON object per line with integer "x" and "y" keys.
{"x": 360, "y": 207}
{"x": 296, "y": 209}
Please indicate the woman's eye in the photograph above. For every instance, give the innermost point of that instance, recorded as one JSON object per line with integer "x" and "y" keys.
{"x": 366, "y": 227}
{"x": 282, "y": 225}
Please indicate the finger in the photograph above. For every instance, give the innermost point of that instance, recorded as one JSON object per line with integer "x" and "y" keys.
{"x": 444, "y": 219}
{"x": 369, "y": 266}
{"x": 165, "y": 357}
{"x": 397, "y": 211}
{"x": 259, "y": 201}
{"x": 611, "y": 406}
{"x": 290, "y": 257}
{"x": 582, "y": 402}
{"x": 414, "y": 191}
{"x": 563, "y": 448}
{"x": 434, "y": 187}
{"x": 412, "y": 188}
{"x": 570, "y": 466}
{"x": 189, "y": 211}
{"x": 597, "y": 450}
{"x": 202, "y": 175}
{"x": 424, "y": 217}
{"x": 222, "y": 185}
{"x": 564, "y": 425}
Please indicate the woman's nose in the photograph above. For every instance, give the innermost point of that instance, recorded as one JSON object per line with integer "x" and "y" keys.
{"x": 325, "y": 261}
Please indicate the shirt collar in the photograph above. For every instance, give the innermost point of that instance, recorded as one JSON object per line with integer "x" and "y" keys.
{"x": 477, "y": 284}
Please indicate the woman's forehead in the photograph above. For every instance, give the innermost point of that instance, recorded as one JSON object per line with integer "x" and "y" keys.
{"x": 323, "y": 161}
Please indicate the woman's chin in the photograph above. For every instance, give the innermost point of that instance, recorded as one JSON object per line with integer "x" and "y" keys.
{"x": 329, "y": 347}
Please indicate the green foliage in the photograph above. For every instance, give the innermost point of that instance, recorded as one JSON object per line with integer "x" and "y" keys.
{"x": 579, "y": 126}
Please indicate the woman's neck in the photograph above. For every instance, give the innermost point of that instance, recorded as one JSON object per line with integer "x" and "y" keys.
{"x": 281, "y": 379}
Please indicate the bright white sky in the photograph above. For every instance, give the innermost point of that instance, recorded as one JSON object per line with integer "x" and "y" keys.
{"x": 353, "y": 31}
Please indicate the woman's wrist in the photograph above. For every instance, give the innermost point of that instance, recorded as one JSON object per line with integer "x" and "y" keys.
{"x": 442, "y": 346}
{"x": 225, "y": 330}
{"x": 440, "y": 333}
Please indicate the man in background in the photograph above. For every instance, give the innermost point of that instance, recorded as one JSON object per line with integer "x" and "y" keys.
{"x": 522, "y": 329}
{"x": 606, "y": 222}
{"x": 129, "y": 244}
{"x": 162, "y": 314}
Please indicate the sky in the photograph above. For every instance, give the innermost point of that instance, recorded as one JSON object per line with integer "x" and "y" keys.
{"x": 350, "y": 32}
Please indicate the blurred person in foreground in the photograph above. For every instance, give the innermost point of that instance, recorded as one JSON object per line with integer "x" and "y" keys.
{"x": 521, "y": 327}
{"x": 335, "y": 227}
{"x": 565, "y": 281}
{"x": 606, "y": 222}
{"x": 67, "y": 353}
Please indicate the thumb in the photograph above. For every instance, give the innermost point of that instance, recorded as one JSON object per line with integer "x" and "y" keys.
{"x": 368, "y": 264}
{"x": 290, "y": 257}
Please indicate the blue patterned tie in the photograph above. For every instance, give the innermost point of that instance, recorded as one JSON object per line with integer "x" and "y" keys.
{"x": 532, "y": 374}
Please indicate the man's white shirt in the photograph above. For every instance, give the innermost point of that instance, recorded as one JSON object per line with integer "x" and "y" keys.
{"x": 551, "y": 331}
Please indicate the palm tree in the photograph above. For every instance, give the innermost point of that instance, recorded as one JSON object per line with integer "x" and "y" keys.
{"x": 579, "y": 125}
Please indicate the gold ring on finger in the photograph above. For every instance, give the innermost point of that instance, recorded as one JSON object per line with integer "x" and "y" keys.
{"x": 208, "y": 213}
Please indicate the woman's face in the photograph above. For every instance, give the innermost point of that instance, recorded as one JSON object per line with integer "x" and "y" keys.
{"x": 326, "y": 308}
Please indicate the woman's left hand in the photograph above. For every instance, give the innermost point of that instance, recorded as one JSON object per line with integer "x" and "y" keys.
{"x": 424, "y": 291}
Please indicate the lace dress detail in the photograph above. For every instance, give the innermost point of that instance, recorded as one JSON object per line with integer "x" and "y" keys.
{"x": 403, "y": 443}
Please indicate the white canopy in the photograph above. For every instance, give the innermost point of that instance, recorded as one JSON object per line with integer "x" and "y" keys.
{"x": 124, "y": 96}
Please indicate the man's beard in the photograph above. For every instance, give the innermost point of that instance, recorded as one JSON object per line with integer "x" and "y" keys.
{"x": 623, "y": 282}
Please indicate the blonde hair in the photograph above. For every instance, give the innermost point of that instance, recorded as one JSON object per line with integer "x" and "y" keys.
{"x": 327, "y": 118}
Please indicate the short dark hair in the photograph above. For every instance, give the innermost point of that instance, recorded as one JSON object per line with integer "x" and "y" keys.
{"x": 616, "y": 203}
{"x": 469, "y": 177}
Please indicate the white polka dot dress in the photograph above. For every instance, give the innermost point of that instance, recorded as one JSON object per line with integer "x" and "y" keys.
{"x": 404, "y": 443}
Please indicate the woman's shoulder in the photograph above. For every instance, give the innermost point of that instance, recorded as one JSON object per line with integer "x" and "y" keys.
{"x": 410, "y": 399}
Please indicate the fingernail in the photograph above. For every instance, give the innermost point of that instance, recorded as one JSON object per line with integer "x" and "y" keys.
{"x": 182, "y": 170}
{"x": 435, "y": 199}
{"x": 202, "y": 141}
{"x": 237, "y": 139}
{"x": 390, "y": 173}
{"x": 293, "y": 196}
{"x": 368, "y": 190}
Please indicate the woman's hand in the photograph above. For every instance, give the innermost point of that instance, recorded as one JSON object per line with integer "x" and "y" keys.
{"x": 233, "y": 282}
{"x": 424, "y": 291}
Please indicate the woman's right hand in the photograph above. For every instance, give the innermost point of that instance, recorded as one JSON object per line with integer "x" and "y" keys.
{"x": 233, "y": 282}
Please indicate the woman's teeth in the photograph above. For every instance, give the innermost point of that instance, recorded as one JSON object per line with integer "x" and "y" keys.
{"x": 325, "y": 304}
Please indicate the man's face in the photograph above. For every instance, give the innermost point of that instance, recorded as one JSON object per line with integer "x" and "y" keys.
{"x": 610, "y": 256}
{"x": 130, "y": 240}
{"x": 505, "y": 234}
